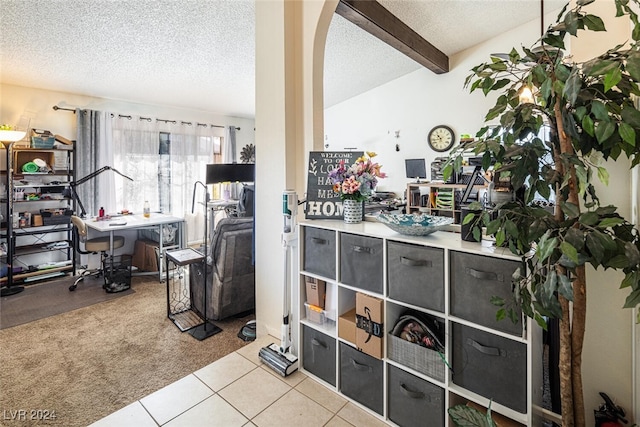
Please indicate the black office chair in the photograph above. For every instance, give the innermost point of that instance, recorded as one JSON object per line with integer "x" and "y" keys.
{"x": 96, "y": 245}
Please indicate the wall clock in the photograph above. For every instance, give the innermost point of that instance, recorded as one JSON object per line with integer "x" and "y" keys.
{"x": 441, "y": 138}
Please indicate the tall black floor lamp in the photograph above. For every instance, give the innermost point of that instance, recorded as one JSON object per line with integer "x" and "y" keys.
{"x": 206, "y": 329}
{"x": 216, "y": 173}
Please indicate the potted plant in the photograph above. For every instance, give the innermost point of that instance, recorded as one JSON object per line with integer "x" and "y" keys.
{"x": 355, "y": 184}
{"x": 552, "y": 146}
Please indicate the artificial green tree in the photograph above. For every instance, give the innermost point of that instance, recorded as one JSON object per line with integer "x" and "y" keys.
{"x": 589, "y": 112}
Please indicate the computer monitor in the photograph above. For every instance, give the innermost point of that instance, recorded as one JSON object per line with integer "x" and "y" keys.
{"x": 230, "y": 172}
{"x": 416, "y": 169}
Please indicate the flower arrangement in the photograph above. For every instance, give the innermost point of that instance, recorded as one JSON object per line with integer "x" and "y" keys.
{"x": 357, "y": 181}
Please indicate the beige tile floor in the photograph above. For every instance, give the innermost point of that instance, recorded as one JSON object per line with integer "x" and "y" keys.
{"x": 239, "y": 390}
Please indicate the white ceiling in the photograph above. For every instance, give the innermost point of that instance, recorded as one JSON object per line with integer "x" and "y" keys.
{"x": 199, "y": 54}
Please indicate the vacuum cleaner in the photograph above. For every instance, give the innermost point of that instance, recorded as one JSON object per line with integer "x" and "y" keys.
{"x": 280, "y": 358}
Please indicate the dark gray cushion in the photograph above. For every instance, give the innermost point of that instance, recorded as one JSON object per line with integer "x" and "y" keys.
{"x": 231, "y": 272}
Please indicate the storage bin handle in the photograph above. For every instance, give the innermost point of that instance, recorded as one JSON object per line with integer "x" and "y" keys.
{"x": 413, "y": 394}
{"x": 318, "y": 343}
{"x": 357, "y": 248}
{"x": 484, "y": 275}
{"x": 415, "y": 262}
{"x": 319, "y": 240}
{"x": 489, "y": 351}
{"x": 360, "y": 366}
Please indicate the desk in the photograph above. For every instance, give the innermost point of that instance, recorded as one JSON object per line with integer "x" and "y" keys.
{"x": 139, "y": 222}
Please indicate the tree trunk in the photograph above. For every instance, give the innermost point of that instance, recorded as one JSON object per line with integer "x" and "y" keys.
{"x": 578, "y": 326}
{"x": 566, "y": 383}
{"x": 573, "y": 325}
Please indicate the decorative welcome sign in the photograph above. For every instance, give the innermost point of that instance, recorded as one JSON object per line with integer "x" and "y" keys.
{"x": 322, "y": 201}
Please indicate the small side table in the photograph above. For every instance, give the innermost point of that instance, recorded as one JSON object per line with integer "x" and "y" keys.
{"x": 179, "y": 307}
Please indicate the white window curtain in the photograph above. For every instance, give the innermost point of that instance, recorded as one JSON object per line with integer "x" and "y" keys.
{"x": 191, "y": 151}
{"x": 137, "y": 154}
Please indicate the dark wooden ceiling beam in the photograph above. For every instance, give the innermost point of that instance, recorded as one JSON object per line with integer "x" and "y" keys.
{"x": 372, "y": 17}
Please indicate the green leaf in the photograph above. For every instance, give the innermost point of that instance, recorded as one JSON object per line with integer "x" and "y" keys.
{"x": 629, "y": 280}
{"x": 589, "y": 218}
{"x": 599, "y": 67}
{"x": 468, "y": 218}
{"x": 575, "y": 237}
{"x": 635, "y": 34}
{"x": 596, "y": 248}
{"x": 500, "y": 84}
{"x": 564, "y": 287}
{"x": 497, "y": 301}
{"x": 599, "y": 110}
{"x": 627, "y": 133}
{"x": 568, "y": 249}
{"x": 572, "y": 87}
{"x": 604, "y": 130}
{"x": 612, "y": 78}
{"x": 594, "y": 23}
{"x": 631, "y": 116}
{"x": 499, "y": 237}
{"x": 618, "y": 262}
{"x": 571, "y": 22}
{"x": 587, "y": 125}
{"x": 603, "y": 175}
{"x": 498, "y": 66}
{"x": 610, "y": 222}
{"x": 633, "y": 299}
{"x": 486, "y": 85}
{"x": 501, "y": 314}
{"x": 511, "y": 228}
{"x": 571, "y": 210}
{"x": 466, "y": 416}
{"x": 633, "y": 67}
{"x": 546, "y": 246}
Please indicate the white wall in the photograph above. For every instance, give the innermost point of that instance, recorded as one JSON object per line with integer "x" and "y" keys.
{"x": 414, "y": 103}
{"x": 16, "y": 101}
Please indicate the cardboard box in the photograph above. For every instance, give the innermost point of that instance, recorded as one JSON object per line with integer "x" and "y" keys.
{"x": 315, "y": 291}
{"x": 369, "y": 325}
{"x": 347, "y": 326}
{"x": 144, "y": 255}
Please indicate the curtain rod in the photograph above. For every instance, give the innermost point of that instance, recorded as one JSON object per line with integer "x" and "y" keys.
{"x": 55, "y": 107}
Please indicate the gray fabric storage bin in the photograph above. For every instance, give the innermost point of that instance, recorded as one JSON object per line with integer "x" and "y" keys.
{"x": 415, "y": 275}
{"x": 361, "y": 262}
{"x": 490, "y": 365}
{"x": 319, "y": 354}
{"x": 319, "y": 252}
{"x": 413, "y": 401}
{"x": 474, "y": 280}
{"x": 361, "y": 377}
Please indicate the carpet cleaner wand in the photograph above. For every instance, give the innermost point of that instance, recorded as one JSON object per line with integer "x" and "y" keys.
{"x": 280, "y": 359}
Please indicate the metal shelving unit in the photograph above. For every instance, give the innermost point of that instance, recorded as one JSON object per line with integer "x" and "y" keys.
{"x": 36, "y": 208}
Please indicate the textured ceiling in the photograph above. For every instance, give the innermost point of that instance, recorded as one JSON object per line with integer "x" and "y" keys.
{"x": 199, "y": 54}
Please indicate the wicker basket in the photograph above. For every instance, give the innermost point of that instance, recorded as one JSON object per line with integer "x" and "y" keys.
{"x": 414, "y": 356}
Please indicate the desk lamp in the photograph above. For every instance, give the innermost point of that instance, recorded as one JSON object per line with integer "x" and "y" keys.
{"x": 74, "y": 184}
{"x": 8, "y": 137}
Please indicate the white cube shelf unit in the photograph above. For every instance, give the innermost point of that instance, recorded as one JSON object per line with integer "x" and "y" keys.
{"x": 447, "y": 280}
